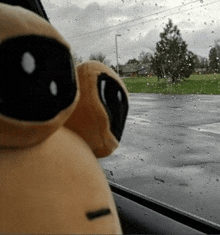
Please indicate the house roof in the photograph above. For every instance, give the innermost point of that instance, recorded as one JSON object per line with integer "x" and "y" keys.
{"x": 132, "y": 68}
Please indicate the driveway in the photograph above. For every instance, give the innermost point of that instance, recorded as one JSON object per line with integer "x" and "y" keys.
{"x": 170, "y": 151}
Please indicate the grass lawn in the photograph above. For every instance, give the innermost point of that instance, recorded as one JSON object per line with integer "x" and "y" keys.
{"x": 196, "y": 84}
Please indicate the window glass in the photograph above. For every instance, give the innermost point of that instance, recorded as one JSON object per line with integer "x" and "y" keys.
{"x": 170, "y": 147}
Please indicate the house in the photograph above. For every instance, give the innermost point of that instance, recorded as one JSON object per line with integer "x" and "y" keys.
{"x": 134, "y": 69}
{"x": 145, "y": 70}
{"x": 130, "y": 70}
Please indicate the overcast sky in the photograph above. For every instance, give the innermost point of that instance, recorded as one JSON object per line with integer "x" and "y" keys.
{"x": 90, "y": 25}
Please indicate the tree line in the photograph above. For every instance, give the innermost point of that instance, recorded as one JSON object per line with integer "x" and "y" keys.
{"x": 172, "y": 60}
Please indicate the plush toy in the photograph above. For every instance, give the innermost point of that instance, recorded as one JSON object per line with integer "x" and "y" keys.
{"x": 50, "y": 181}
{"x": 101, "y": 112}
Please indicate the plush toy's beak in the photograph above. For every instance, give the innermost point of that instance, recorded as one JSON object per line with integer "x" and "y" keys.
{"x": 37, "y": 78}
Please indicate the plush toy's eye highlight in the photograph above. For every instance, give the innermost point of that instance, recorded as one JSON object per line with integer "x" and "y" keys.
{"x": 97, "y": 214}
{"x": 120, "y": 96}
{"x": 53, "y": 88}
{"x": 103, "y": 87}
{"x": 115, "y": 101}
{"x": 28, "y": 63}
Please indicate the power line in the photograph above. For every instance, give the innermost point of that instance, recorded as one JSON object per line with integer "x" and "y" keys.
{"x": 140, "y": 18}
{"x": 175, "y": 13}
{"x": 131, "y": 21}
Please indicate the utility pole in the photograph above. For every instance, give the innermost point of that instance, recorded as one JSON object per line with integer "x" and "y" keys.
{"x": 116, "y": 45}
{"x": 217, "y": 46}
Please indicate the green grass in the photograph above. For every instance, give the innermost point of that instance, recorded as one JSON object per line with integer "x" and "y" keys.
{"x": 197, "y": 84}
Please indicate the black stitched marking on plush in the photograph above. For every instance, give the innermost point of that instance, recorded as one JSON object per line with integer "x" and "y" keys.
{"x": 98, "y": 213}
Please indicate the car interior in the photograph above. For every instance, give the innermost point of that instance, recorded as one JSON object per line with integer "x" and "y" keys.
{"x": 138, "y": 213}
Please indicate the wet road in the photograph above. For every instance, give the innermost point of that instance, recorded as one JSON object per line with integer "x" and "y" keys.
{"x": 170, "y": 151}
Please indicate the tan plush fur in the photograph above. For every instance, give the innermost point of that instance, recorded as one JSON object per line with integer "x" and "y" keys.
{"x": 17, "y": 21}
{"x": 49, "y": 176}
{"x": 50, "y": 187}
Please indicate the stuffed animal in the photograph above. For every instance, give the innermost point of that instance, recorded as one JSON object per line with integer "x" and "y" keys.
{"x": 100, "y": 114}
{"x": 50, "y": 181}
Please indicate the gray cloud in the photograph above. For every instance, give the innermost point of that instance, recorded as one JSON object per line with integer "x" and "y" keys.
{"x": 200, "y": 41}
{"x": 76, "y": 24}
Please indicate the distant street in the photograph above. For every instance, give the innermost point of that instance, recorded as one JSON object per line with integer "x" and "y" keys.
{"x": 170, "y": 151}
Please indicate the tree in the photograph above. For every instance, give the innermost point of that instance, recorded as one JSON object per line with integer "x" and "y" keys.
{"x": 99, "y": 57}
{"x": 217, "y": 46}
{"x": 204, "y": 63}
{"x": 133, "y": 61}
{"x": 201, "y": 64}
{"x": 214, "y": 60}
{"x": 172, "y": 60}
{"x": 188, "y": 66}
{"x": 144, "y": 57}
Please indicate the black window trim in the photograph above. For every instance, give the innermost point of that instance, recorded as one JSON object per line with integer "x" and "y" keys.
{"x": 33, "y": 5}
{"x": 188, "y": 219}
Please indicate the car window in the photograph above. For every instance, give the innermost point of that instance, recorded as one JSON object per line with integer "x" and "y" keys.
{"x": 170, "y": 146}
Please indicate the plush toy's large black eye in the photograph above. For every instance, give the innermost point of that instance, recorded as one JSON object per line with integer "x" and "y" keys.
{"x": 115, "y": 102}
{"x": 37, "y": 78}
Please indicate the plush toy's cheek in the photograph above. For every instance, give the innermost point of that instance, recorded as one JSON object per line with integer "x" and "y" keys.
{"x": 36, "y": 78}
{"x": 115, "y": 102}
